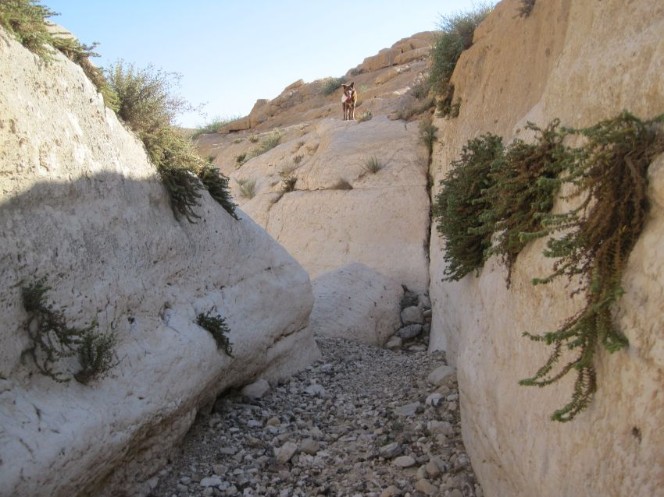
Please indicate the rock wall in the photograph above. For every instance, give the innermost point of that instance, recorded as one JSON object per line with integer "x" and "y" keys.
{"x": 81, "y": 204}
{"x": 580, "y": 62}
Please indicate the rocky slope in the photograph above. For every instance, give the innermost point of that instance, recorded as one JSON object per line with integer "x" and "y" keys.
{"x": 580, "y": 62}
{"x": 316, "y": 191}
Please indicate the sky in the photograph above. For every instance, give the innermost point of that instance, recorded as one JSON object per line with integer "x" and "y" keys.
{"x": 229, "y": 53}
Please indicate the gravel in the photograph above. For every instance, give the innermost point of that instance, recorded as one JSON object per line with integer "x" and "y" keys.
{"x": 361, "y": 422}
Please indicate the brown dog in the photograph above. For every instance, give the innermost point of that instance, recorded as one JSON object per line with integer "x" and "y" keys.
{"x": 348, "y": 101}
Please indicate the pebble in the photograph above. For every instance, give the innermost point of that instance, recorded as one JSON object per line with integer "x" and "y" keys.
{"x": 355, "y": 423}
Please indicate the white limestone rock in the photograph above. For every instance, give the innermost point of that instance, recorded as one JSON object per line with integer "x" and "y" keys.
{"x": 357, "y": 303}
{"x": 82, "y": 205}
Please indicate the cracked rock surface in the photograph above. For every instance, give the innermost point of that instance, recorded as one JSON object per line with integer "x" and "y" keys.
{"x": 362, "y": 421}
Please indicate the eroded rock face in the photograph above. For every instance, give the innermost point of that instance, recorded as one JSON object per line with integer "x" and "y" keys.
{"x": 580, "y": 62}
{"x": 81, "y": 205}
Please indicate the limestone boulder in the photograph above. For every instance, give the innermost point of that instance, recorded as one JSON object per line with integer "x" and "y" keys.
{"x": 537, "y": 69}
{"x": 81, "y": 205}
{"x": 357, "y": 303}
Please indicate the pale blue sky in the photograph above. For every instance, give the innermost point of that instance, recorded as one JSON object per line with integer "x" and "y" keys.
{"x": 231, "y": 53}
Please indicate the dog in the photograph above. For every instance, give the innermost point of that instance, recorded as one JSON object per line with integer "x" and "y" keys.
{"x": 348, "y": 101}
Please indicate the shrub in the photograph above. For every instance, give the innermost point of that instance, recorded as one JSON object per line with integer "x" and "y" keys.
{"x": 218, "y": 328}
{"x": 217, "y": 186}
{"x": 526, "y": 7}
{"x": 372, "y": 165}
{"x": 26, "y": 20}
{"x": 330, "y": 85}
{"x": 213, "y": 126}
{"x": 456, "y": 35}
{"x": 267, "y": 143}
{"x": 247, "y": 187}
{"x": 365, "y": 116}
{"x": 146, "y": 105}
{"x": 459, "y": 207}
{"x": 508, "y": 196}
{"x": 52, "y": 339}
{"x": 427, "y": 133}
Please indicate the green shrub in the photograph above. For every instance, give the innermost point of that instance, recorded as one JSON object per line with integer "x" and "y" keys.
{"x": 53, "y": 340}
{"x": 460, "y": 209}
{"x": 508, "y": 195}
{"x": 267, "y": 143}
{"x": 218, "y": 328}
{"x": 427, "y": 132}
{"x": 373, "y": 165}
{"x": 26, "y": 20}
{"x": 217, "y": 186}
{"x": 146, "y": 105}
{"x": 330, "y": 85}
{"x": 456, "y": 35}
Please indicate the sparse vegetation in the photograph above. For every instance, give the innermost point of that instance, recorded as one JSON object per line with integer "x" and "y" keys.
{"x": 26, "y": 20}
{"x": 526, "y": 7}
{"x": 372, "y": 165}
{"x": 247, "y": 188}
{"x": 456, "y": 36}
{"x": 52, "y": 340}
{"x": 367, "y": 115}
{"x": 427, "y": 132}
{"x": 330, "y": 85}
{"x": 267, "y": 143}
{"x": 219, "y": 330}
{"x": 213, "y": 126}
{"x": 147, "y": 106}
{"x": 506, "y": 196}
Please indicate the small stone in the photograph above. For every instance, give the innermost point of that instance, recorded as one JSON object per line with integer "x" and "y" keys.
{"x": 456, "y": 493}
{"x": 211, "y": 481}
{"x": 410, "y": 331}
{"x": 404, "y": 462}
{"x": 408, "y": 409}
{"x": 394, "y": 342}
{"x": 391, "y": 491}
{"x": 309, "y": 446}
{"x": 442, "y": 427}
{"x": 257, "y": 389}
{"x": 432, "y": 469}
{"x": 273, "y": 421}
{"x": 426, "y": 487}
{"x": 315, "y": 390}
{"x": 412, "y": 315}
{"x": 434, "y": 399}
{"x": 284, "y": 453}
{"x": 440, "y": 374}
{"x": 208, "y": 492}
{"x": 390, "y": 450}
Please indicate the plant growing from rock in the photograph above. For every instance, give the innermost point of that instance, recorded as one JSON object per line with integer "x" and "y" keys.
{"x": 330, "y": 85}
{"x": 609, "y": 176}
{"x": 219, "y": 330}
{"x": 460, "y": 208}
{"x": 427, "y": 132}
{"x": 456, "y": 35}
{"x": 217, "y": 186}
{"x": 372, "y": 165}
{"x": 365, "y": 116}
{"x": 508, "y": 196}
{"x": 53, "y": 340}
{"x": 247, "y": 187}
{"x": 526, "y": 7}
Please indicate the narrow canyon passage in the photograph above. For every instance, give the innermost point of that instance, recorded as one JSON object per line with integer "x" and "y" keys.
{"x": 362, "y": 421}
